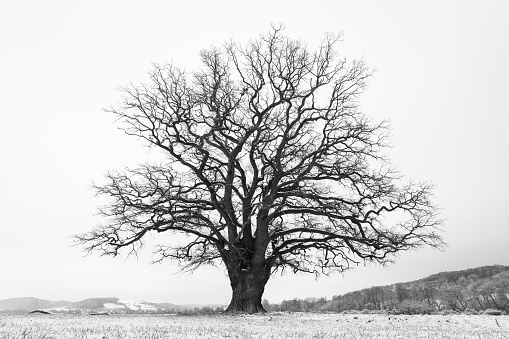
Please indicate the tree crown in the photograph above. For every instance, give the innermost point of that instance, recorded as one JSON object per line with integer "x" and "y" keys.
{"x": 268, "y": 162}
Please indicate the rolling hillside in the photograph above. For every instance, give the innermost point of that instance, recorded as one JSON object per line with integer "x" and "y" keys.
{"x": 470, "y": 290}
{"x": 92, "y": 304}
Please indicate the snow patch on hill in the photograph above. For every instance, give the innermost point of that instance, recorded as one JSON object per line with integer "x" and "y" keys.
{"x": 137, "y": 305}
{"x": 113, "y": 306}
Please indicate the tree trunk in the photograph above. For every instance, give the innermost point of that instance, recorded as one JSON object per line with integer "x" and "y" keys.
{"x": 248, "y": 285}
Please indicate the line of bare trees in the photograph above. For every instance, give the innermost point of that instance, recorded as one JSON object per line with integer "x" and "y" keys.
{"x": 466, "y": 291}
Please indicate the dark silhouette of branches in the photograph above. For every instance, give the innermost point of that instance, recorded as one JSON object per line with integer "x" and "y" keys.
{"x": 270, "y": 165}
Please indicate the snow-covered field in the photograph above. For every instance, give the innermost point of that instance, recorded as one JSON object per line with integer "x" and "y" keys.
{"x": 273, "y": 325}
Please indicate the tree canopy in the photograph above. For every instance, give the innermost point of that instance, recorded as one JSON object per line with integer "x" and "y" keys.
{"x": 269, "y": 166}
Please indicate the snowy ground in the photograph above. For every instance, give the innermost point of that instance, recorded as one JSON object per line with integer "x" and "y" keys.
{"x": 273, "y": 325}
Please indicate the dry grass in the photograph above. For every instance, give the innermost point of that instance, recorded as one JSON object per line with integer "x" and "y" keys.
{"x": 274, "y": 325}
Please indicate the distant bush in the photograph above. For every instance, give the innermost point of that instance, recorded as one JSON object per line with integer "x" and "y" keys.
{"x": 384, "y": 312}
{"x": 492, "y": 311}
{"x": 201, "y": 311}
{"x": 470, "y": 311}
{"x": 331, "y": 306}
{"x": 412, "y": 307}
{"x": 367, "y": 311}
{"x": 350, "y": 312}
{"x": 447, "y": 312}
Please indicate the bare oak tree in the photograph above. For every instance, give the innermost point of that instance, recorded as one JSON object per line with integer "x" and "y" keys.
{"x": 269, "y": 167}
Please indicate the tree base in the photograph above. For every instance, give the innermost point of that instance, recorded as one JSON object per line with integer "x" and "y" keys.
{"x": 245, "y": 309}
{"x": 247, "y": 291}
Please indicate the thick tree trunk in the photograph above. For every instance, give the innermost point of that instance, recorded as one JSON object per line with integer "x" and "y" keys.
{"x": 247, "y": 290}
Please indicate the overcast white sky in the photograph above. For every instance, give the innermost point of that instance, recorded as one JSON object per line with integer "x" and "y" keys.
{"x": 442, "y": 80}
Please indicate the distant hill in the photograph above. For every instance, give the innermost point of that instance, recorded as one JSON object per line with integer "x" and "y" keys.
{"x": 471, "y": 290}
{"x": 470, "y": 273}
{"x": 111, "y": 305}
{"x": 96, "y": 304}
{"x": 28, "y": 303}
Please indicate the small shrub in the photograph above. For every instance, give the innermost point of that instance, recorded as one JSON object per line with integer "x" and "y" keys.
{"x": 394, "y": 311}
{"x": 350, "y": 312}
{"x": 470, "y": 311}
{"x": 447, "y": 312}
{"x": 384, "y": 312}
{"x": 492, "y": 311}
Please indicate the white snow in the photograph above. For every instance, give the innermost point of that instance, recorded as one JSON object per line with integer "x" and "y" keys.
{"x": 113, "y": 306}
{"x": 137, "y": 305}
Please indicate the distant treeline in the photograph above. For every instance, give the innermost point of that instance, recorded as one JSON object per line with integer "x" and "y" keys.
{"x": 471, "y": 290}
